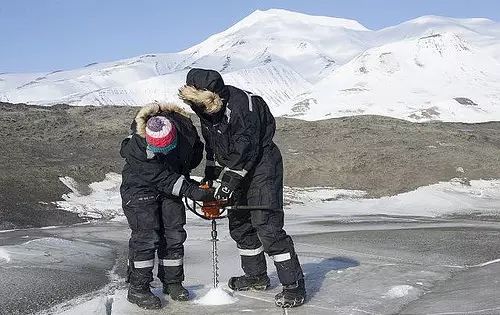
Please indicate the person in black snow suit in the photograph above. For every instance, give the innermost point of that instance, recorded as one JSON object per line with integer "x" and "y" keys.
{"x": 160, "y": 153}
{"x": 238, "y": 129}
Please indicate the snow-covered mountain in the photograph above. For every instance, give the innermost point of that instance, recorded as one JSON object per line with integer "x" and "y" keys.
{"x": 436, "y": 76}
{"x": 308, "y": 67}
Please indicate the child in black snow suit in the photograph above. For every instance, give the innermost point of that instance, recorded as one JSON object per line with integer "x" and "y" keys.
{"x": 160, "y": 153}
{"x": 238, "y": 129}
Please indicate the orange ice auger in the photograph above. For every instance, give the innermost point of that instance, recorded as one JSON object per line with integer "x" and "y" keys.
{"x": 213, "y": 211}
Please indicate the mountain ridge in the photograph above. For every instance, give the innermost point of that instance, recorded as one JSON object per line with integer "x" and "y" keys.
{"x": 300, "y": 57}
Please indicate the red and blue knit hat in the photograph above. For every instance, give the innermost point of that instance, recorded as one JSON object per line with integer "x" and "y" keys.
{"x": 161, "y": 134}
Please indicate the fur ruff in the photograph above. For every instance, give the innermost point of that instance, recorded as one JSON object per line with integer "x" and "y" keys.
{"x": 153, "y": 109}
{"x": 209, "y": 101}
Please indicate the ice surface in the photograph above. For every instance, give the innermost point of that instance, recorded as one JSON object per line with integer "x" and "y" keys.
{"x": 356, "y": 271}
{"x": 376, "y": 256}
{"x": 216, "y": 296}
{"x": 352, "y": 265}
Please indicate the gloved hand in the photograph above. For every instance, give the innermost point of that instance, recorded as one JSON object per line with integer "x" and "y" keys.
{"x": 194, "y": 192}
{"x": 230, "y": 181}
{"x": 193, "y": 181}
{"x": 212, "y": 172}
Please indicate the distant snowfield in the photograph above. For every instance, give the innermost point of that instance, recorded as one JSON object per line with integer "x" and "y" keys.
{"x": 455, "y": 197}
{"x": 307, "y": 67}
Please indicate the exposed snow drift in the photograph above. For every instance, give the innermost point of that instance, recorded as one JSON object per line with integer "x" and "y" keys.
{"x": 308, "y": 67}
{"x": 103, "y": 200}
{"x": 4, "y": 255}
{"x": 399, "y": 291}
{"x": 481, "y": 197}
{"x": 454, "y": 197}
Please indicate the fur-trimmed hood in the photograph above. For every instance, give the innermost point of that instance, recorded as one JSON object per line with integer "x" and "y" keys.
{"x": 204, "y": 91}
{"x": 209, "y": 101}
{"x": 154, "y": 109}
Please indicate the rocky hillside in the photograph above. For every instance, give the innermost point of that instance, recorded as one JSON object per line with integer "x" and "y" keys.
{"x": 381, "y": 155}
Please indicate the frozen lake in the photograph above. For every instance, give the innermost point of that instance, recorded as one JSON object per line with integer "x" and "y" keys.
{"x": 378, "y": 266}
{"x": 431, "y": 251}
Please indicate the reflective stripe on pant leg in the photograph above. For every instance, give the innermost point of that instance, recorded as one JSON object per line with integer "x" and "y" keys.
{"x": 171, "y": 262}
{"x": 281, "y": 257}
{"x": 144, "y": 263}
{"x": 251, "y": 252}
{"x": 253, "y": 261}
{"x": 171, "y": 270}
{"x": 289, "y": 271}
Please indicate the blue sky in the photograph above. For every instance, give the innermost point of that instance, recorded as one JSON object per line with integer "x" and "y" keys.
{"x": 45, "y": 35}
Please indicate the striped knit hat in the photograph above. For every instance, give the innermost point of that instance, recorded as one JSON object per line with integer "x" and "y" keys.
{"x": 161, "y": 134}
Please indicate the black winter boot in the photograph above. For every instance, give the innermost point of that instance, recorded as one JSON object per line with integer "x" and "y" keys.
{"x": 142, "y": 296}
{"x": 176, "y": 291}
{"x": 244, "y": 283}
{"x": 292, "y": 295}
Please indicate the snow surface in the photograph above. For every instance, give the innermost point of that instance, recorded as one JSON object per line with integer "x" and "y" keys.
{"x": 445, "y": 198}
{"x": 307, "y": 67}
{"x": 399, "y": 291}
{"x": 4, "y": 255}
{"x": 480, "y": 197}
{"x": 352, "y": 273}
{"x": 216, "y": 296}
{"x": 359, "y": 255}
{"x": 103, "y": 200}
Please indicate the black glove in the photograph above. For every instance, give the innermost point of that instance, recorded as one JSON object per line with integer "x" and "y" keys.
{"x": 212, "y": 172}
{"x": 230, "y": 181}
{"x": 194, "y": 192}
{"x": 193, "y": 181}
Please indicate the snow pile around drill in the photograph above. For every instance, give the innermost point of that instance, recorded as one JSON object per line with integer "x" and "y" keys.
{"x": 216, "y": 296}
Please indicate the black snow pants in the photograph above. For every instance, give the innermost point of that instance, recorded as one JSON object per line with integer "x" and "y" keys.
{"x": 259, "y": 231}
{"x": 157, "y": 225}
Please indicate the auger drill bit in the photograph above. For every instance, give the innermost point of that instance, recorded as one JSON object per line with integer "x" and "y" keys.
{"x": 215, "y": 257}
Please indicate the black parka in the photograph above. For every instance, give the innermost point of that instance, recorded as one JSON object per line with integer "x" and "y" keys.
{"x": 238, "y": 129}
{"x": 146, "y": 173}
{"x": 239, "y": 136}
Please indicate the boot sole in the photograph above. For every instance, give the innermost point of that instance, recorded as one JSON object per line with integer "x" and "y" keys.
{"x": 144, "y": 306}
{"x": 182, "y": 298}
{"x": 256, "y": 288}
{"x": 290, "y": 304}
